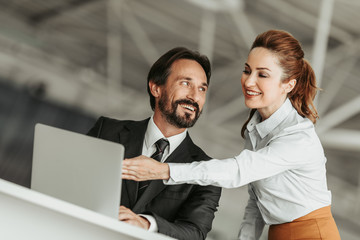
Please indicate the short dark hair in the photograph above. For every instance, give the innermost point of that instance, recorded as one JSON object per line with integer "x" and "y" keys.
{"x": 160, "y": 70}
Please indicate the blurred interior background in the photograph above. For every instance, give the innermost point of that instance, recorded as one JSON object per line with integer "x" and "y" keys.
{"x": 65, "y": 63}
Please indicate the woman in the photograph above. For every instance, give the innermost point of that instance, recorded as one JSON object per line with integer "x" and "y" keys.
{"x": 283, "y": 162}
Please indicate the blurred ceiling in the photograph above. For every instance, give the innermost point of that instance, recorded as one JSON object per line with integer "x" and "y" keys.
{"x": 94, "y": 55}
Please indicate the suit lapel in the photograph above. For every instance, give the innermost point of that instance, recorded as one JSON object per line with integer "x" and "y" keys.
{"x": 132, "y": 137}
{"x": 182, "y": 154}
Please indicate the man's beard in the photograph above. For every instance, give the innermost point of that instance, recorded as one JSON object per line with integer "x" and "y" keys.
{"x": 173, "y": 118}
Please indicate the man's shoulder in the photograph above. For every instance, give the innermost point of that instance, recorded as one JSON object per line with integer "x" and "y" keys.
{"x": 109, "y": 126}
{"x": 197, "y": 151}
{"x": 112, "y": 122}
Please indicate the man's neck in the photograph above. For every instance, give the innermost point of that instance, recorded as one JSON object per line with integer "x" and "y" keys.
{"x": 167, "y": 129}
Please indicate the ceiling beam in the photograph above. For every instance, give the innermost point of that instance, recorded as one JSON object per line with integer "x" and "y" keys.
{"x": 172, "y": 25}
{"x": 345, "y": 50}
{"x": 341, "y": 139}
{"x": 114, "y": 56}
{"x": 70, "y": 7}
{"x": 139, "y": 36}
{"x": 158, "y": 18}
{"x": 345, "y": 200}
{"x": 306, "y": 18}
{"x": 243, "y": 25}
{"x": 351, "y": 3}
{"x": 335, "y": 82}
{"x": 207, "y": 34}
{"x": 206, "y": 41}
{"x": 338, "y": 115}
{"x": 321, "y": 40}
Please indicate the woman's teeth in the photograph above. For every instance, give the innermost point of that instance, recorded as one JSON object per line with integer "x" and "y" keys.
{"x": 252, "y": 93}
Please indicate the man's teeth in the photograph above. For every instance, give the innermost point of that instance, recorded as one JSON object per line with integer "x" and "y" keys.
{"x": 188, "y": 107}
{"x": 252, "y": 93}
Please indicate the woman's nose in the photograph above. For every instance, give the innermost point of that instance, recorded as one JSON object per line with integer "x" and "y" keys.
{"x": 250, "y": 80}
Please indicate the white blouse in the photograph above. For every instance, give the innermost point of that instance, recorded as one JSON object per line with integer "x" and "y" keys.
{"x": 284, "y": 164}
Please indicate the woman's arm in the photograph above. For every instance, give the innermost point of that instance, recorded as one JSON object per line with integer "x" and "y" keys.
{"x": 288, "y": 152}
{"x": 222, "y": 173}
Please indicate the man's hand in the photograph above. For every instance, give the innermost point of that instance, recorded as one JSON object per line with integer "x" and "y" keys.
{"x": 142, "y": 168}
{"x": 128, "y": 216}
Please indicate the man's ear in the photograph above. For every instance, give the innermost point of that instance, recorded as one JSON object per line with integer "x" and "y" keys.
{"x": 154, "y": 89}
{"x": 290, "y": 85}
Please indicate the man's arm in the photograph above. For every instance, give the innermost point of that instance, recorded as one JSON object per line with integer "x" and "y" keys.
{"x": 128, "y": 216}
{"x": 195, "y": 216}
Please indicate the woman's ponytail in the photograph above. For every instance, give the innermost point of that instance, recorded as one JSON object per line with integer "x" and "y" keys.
{"x": 304, "y": 92}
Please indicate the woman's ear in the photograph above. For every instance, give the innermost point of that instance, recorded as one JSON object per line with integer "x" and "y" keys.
{"x": 290, "y": 85}
{"x": 154, "y": 89}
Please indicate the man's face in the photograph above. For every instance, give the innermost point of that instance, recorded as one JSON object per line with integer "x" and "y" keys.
{"x": 183, "y": 96}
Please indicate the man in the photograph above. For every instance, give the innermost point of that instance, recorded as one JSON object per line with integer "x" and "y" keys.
{"x": 177, "y": 86}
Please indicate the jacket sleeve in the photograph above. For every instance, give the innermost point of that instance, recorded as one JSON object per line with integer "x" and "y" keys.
{"x": 194, "y": 218}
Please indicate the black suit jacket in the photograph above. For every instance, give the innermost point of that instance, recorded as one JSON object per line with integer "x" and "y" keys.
{"x": 181, "y": 211}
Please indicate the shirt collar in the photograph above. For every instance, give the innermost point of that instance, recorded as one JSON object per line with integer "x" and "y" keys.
{"x": 265, "y": 127}
{"x": 256, "y": 118}
{"x": 153, "y": 134}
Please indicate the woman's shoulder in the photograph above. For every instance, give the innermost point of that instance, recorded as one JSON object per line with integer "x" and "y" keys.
{"x": 297, "y": 129}
{"x": 297, "y": 123}
{"x": 298, "y": 135}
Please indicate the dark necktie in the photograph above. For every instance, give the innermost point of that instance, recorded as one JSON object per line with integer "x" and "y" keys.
{"x": 161, "y": 145}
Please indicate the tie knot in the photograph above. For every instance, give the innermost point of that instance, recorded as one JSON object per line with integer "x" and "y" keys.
{"x": 161, "y": 144}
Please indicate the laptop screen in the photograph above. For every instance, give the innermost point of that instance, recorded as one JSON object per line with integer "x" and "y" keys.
{"x": 77, "y": 168}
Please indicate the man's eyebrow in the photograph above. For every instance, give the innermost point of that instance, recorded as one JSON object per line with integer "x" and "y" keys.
{"x": 205, "y": 85}
{"x": 183, "y": 77}
{"x": 259, "y": 68}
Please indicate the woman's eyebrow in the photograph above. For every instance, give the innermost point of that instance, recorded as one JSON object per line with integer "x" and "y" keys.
{"x": 258, "y": 68}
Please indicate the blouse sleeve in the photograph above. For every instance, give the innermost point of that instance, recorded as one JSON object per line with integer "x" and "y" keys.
{"x": 281, "y": 154}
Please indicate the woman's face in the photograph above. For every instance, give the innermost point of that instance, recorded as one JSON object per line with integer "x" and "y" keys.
{"x": 261, "y": 82}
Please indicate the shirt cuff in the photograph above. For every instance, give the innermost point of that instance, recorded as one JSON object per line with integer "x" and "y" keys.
{"x": 153, "y": 225}
{"x": 171, "y": 180}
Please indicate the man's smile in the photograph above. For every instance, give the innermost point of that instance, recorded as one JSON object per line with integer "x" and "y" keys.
{"x": 189, "y": 107}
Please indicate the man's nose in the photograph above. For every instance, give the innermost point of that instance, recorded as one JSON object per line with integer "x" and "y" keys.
{"x": 193, "y": 94}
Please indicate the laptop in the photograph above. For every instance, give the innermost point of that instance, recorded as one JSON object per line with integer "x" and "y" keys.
{"x": 77, "y": 168}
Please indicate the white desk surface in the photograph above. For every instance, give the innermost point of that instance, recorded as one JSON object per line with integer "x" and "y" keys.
{"x": 27, "y": 214}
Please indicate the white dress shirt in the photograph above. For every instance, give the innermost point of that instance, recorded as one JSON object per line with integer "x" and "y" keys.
{"x": 284, "y": 164}
{"x": 153, "y": 134}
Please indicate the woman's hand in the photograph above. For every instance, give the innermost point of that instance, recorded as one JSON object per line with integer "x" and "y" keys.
{"x": 142, "y": 168}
